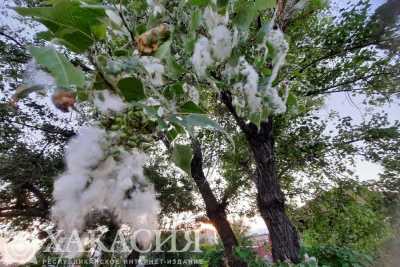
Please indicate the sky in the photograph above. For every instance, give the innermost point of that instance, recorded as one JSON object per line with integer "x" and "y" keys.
{"x": 354, "y": 107}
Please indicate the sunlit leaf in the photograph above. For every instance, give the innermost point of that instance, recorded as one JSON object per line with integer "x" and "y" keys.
{"x": 201, "y": 3}
{"x": 262, "y": 5}
{"x": 182, "y": 156}
{"x": 164, "y": 51}
{"x": 190, "y": 107}
{"x": 132, "y": 89}
{"x": 65, "y": 74}
{"x": 77, "y": 26}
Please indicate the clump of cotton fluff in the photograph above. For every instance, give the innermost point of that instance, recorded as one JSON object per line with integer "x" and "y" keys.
{"x": 96, "y": 181}
{"x": 249, "y": 85}
{"x": 276, "y": 103}
{"x": 276, "y": 38}
{"x": 122, "y": 188}
{"x": 222, "y": 39}
{"x": 35, "y": 76}
{"x": 212, "y": 19}
{"x": 201, "y": 58}
{"x": 107, "y": 102}
{"x": 192, "y": 92}
{"x": 85, "y": 150}
{"x": 219, "y": 47}
{"x": 221, "y": 42}
{"x": 155, "y": 70}
{"x": 299, "y": 6}
{"x": 155, "y": 6}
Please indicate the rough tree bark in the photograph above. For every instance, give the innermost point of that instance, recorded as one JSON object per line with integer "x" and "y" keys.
{"x": 215, "y": 210}
{"x": 270, "y": 198}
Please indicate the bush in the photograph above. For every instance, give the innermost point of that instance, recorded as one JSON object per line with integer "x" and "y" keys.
{"x": 334, "y": 256}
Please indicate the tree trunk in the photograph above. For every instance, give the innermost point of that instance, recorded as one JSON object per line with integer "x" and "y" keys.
{"x": 270, "y": 198}
{"x": 132, "y": 258}
{"x": 215, "y": 211}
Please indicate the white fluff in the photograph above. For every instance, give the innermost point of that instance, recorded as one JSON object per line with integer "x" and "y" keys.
{"x": 155, "y": 6}
{"x": 201, "y": 58}
{"x": 192, "y": 92}
{"x": 221, "y": 42}
{"x": 35, "y": 76}
{"x": 105, "y": 101}
{"x": 276, "y": 38}
{"x": 281, "y": 47}
{"x": 276, "y": 103}
{"x": 155, "y": 69}
{"x": 219, "y": 47}
{"x": 299, "y": 6}
{"x": 249, "y": 86}
{"x": 95, "y": 180}
{"x": 212, "y": 19}
{"x": 85, "y": 150}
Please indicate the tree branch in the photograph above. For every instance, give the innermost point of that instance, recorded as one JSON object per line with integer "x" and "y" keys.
{"x": 9, "y": 37}
{"x": 30, "y": 212}
{"x": 337, "y": 53}
{"x": 226, "y": 98}
{"x": 44, "y": 203}
{"x": 65, "y": 133}
{"x": 326, "y": 90}
{"x": 121, "y": 15}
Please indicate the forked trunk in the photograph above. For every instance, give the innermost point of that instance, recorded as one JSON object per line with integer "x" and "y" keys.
{"x": 215, "y": 211}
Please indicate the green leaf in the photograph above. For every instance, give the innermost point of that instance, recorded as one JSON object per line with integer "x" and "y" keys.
{"x": 189, "y": 44}
{"x": 201, "y": 3}
{"x": 100, "y": 31}
{"x": 151, "y": 112}
{"x": 262, "y": 5}
{"x": 74, "y": 25}
{"x": 174, "y": 70}
{"x": 141, "y": 28}
{"x": 291, "y": 101}
{"x": 45, "y": 35}
{"x": 174, "y": 91}
{"x": 182, "y": 156}
{"x": 196, "y": 20}
{"x": 121, "y": 53}
{"x": 262, "y": 32}
{"x": 162, "y": 125}
{"x": 192, "y": 121}
{"x": 65, "y": 74}
{"x": 246, "y": 13}
{"x": 191, "y": 107}
{"x": 82, "y": 95}
{"x": 222, "y": 3}
{"x": 164, "y": 51}
{"x": 172, "y": 134}
{"x": 132, "y": 89}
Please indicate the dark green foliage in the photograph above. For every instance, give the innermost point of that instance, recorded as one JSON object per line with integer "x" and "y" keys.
{"x": 350, "y": 215}
{"x": 338, "y": 256}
